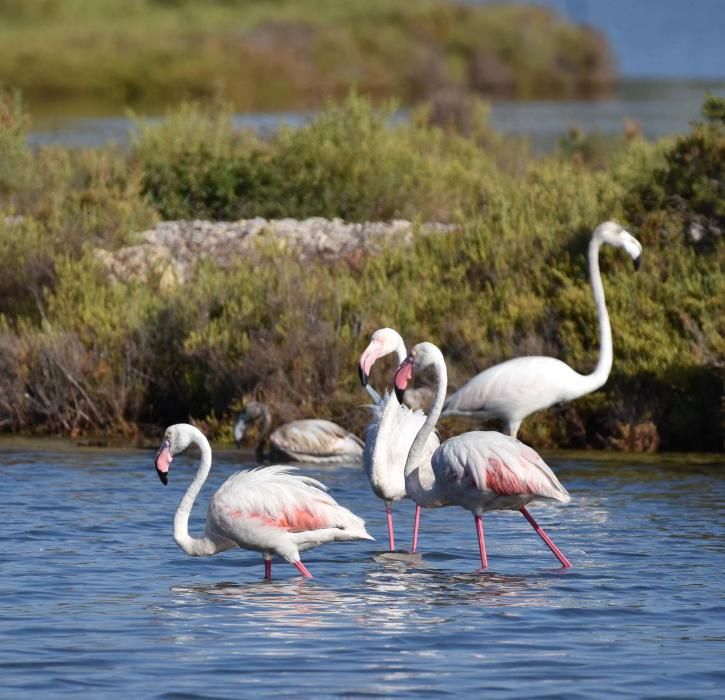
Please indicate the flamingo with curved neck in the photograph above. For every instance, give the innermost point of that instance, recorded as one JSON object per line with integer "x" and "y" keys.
{"x": 390, "y": 432}
{"x": 271, "y": 510}
{"x": 512, "y": 390}
{"x": 480, "y": 470}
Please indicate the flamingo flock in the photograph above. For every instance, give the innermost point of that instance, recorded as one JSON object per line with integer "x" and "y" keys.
{"x": 277, "y": 511}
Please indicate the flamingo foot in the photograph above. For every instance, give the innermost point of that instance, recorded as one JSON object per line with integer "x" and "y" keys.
{"x": 391, "y": 533}
{"x": 267, "y": 569}
{"x": 549, "y": 543}
{"x": 416, "y": 525}
{"x": 303, "y": 569}
{"x": 481, "y": 542}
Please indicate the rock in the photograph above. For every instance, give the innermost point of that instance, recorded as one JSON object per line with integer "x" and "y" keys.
{"x": 173, "y": 249}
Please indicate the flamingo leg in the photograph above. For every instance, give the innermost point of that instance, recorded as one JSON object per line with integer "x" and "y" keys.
{"x": 540, "y": 532}
{"x": 416, "y": 525}
{"x": 267, "y": 569}
{"x": 481, "y": 541}
{"x": 391, "y": 533}
{"x": 303, "y": 569}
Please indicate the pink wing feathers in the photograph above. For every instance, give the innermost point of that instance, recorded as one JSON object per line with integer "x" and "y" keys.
{"x": 491, "y": 462}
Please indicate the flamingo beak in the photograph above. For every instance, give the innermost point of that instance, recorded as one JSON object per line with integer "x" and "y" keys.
{"x": 239, "y": 428}
{"x": 402, "y": 376}
{"x": 163, "y": 460}
{"x": 367, "y": 360}
{"x": 363, "y": 375}
{"x": 637, "y": 262}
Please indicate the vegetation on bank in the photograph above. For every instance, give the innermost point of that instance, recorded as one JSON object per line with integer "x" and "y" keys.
{"x": 291, "y": 54}
{"x": 81, "y": 355}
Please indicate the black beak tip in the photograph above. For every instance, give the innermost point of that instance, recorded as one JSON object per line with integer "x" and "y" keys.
{"x": 363, "y": 376}
{"x": 164, "y": 476}
{"x": 637, "y": 262}
{"x": 399, "y": 394}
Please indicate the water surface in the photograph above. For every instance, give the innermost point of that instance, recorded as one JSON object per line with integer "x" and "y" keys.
{"x": 98, "y": 601}
{"x": 659, "y": 108}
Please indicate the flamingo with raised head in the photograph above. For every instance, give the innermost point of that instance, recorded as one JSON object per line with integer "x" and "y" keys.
{"x": 391, "y": 431}
{"x": 512, "y": 390}
{"x": 480, "y": 470}
{"x": 308, "y": 440}
{"x": 270, "y": 510}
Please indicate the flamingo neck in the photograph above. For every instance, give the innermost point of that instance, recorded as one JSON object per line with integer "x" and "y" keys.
{"x": 604, "y": 365}
{"x": 420, "y": 482}
{"x": 194, "y": 546}
{"x": 263, "y": 433}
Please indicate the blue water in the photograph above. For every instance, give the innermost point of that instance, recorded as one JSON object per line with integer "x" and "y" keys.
{"x": 97, "y": 601}
{"x": 659, "y": 108}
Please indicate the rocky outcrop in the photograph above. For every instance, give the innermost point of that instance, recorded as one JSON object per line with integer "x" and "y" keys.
{"x": 174, "y": 248}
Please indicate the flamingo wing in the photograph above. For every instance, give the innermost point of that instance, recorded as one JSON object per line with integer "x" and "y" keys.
{"x": 315, "y": 439}
{"x": 491, "y": 462}
{"x": 277, "y": 497}
{"x": 516, "y": 387}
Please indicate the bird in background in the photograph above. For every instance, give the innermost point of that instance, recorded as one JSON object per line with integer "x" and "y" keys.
{"x": 391, "y": 431}
{"x": 513, "y": 390}
{"x": 271, "y": 510}
{"x": 309, "y": 440}
{"x": 479, "y": 470}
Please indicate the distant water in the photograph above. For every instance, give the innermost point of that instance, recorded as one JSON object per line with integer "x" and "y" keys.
{"x": 660, "y": 108}
{"x": 97, "y": 601}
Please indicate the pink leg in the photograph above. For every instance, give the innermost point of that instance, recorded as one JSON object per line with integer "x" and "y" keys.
{"x": 540, "y": 532}
{"x": 481, "y": 541}
{"x": 416, "y": 525}
{"x": 267, "y": 569}
{"x": 303, "y": 569}
{"x": 391, "y": 533}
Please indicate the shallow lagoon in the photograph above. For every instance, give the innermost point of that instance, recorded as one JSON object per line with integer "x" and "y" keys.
{"x": 98, "y": 600}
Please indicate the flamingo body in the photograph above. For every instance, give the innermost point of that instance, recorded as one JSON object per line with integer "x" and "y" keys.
{"x": 485, "y": 470}
{"x": 388, "y": 438}
{"x": 514, "y": 389}
{"x": 316, "y": 440}
{"x": 309, "y": 440}
{"x": 271, "y": 510}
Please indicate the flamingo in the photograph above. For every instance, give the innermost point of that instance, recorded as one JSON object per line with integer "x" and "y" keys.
{"x": 479, "y": 470}
{"x": 390, "y": 433}
{"x": 512, "y": 390}
{"x": 271, "y": 510}
{"x": 309, "y": 440}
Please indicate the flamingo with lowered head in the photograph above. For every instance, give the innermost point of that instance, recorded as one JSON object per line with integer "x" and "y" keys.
{"x": 308, "y": 440}
{"x": 479, "y": 471}
{"x": 391, "y": 431}
{"x": 514, "y": 389}
{"x": 270, "y": 510}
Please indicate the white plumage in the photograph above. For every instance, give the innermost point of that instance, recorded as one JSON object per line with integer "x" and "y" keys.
{"x": 272, "y": 510}
{"x": 308, "y": 440}
{"x": 519, "y": 387}
{"x": 391, "y": 431}
{"x": 479, "y": 470}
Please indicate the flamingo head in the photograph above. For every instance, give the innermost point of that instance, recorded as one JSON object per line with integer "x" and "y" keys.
{"x": 252, "y": 412}
{"x": 421, "y": 356}
{"x": 612, "y": 233}
{"x": 176, "y": 439}
{"x": 383, "y": 342}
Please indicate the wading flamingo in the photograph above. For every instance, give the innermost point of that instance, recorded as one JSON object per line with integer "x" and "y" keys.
{"x": 270, "y": 510}
{"x": 479, "y": 471}
{"x": 309, "y": 440}
{"x": 514, "y": 389}
{"x": 391, "y": 432}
